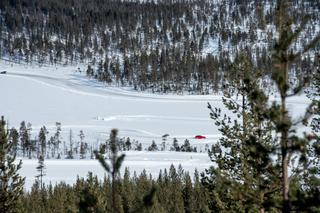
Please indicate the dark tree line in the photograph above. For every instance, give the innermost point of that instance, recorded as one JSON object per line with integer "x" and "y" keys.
{"x": 175, "y": 191}
{"x": 47, "y": 145}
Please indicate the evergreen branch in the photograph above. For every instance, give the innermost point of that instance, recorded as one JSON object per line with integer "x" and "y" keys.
{"x": 102, "y": 161}
{"x": 119, "y": 162}
{"x": 148, "y": 201}
{"x": 309, "y": 46}
{"x": 297, "y": 32}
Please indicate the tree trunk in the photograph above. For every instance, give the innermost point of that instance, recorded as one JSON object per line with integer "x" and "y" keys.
{"x": 284, "y": 141}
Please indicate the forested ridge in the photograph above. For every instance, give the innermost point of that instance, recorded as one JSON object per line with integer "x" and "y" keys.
{"x": 159, "y": 46}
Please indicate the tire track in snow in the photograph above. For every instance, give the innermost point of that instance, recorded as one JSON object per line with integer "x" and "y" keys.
{"x": 85, "y": 88}
{"x": 149, "y": 117}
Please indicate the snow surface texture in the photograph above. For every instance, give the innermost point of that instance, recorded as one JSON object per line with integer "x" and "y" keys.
{"x": 46, "y": 95}
{"x": 68, "y": 170}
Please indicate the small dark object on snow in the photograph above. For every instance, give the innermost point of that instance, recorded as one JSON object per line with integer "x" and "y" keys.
{"x": 3, "y": 72}
{"x": 165, "y": 135}
{"x": 200, "y": 137}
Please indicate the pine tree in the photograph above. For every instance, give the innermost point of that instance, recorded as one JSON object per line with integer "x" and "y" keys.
{"x": 11, "y": 183}
{"x": 83, "y": 145}
{"x": 24, "y": 137}
{"x": 127, "y": 192}
{"x": 283, "y": 58}
{"x": 91, "y": 200}
{"x": 153, "y": 147}
{"x": 40, "y": 168}
{"x": 315, "y": 123}
{"x": 43, "y": 140}
{"x": 307, "y": 194}
{"x": 244, "y": 167}
{"x": 265, "y": 132}
{"x": 186, "y": 147}
{"x": 114, "y": 170}
{"x": 187, "y": 193}
{"x": 139, "y": 147}
{"x": 175, "y": 145}
{"x": 14, "y": 139}
{"x": 57, "y": 140}
{"x": 29, "y": 143}
{"x": 70, "y": 151}
{"x": 200, "y": 198}
{"x": 90, "y": 71}
{"x": 176, "y": 202}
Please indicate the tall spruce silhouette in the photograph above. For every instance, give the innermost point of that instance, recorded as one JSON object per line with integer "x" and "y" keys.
{"x": 113, "y": 169}
{"x": 11, "y": 183}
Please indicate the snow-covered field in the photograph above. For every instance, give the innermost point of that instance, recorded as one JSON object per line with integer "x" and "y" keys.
{"x": 46, "y": 95}
{"x": 68, "y": 170}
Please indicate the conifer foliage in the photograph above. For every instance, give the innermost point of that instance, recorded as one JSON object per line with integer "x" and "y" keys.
{"x": 260, "y": 161}
{"x": 243, "y": 155}
{"x": 283, "y": 59}
{"x": 113, "y": 169}
{"x": 11, "y": 183}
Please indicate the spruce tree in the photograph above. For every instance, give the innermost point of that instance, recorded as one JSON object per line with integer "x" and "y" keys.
{"x": 244, "y": 176}
{"x": 307, "y": 192}
{"x": 24, "y": 137}
{"x": 42, "y": 141}
{"x": 127, "y": 192}
{"x": 258, "y": 152}
{"x": 91, "y": 200}
{"x": 14, "y": 139}
{"x": 113, "y": 169}
{"x": 187, "y": 193}
{"x": 186, "y": 147}
{"x": 176, "y": 202}
{"x": 40, "y": 168}
{"x": 153, "y": 147}
{"x": 283, "y": 58}
{"x": 11, "y": 183}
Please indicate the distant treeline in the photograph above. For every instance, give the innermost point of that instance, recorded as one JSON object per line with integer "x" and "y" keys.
{"x": 76, "y": 146}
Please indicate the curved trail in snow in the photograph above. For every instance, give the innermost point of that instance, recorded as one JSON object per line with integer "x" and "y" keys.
{"x": 105, "y": 107}
{"x": 82, "y": 86}
{"x": 137, "y": 115}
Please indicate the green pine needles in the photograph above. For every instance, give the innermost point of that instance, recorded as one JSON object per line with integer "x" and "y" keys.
{"x": 261, "y": 162}
{"x": 113, "y": 169}
{"x": 11, "y": 183}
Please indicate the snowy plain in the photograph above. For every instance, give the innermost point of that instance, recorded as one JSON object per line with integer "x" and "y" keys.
{"x": 152, "y": 162}
{"x": 48, "y": 94}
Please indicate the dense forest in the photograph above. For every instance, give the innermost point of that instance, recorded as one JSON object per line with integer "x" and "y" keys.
{"x": 159, "y": 46}
{"x": 261, "y": 163}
